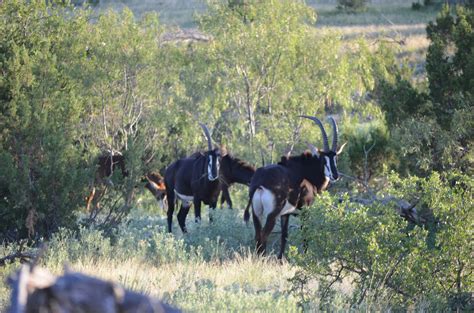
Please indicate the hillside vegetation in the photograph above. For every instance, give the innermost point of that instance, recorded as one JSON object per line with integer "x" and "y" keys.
{"x": 394, "y": 233}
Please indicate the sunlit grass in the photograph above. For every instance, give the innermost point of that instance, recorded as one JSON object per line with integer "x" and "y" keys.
{"x": 244, "y": 276}
{"x": 198, "y": 272}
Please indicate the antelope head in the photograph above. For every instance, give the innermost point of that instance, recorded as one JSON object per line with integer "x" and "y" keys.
{"x": 328, "y": 156}
{"x": 213, "y": 155}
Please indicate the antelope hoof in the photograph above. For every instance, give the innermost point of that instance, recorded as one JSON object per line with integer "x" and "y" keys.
{"x": 197, "y": 220}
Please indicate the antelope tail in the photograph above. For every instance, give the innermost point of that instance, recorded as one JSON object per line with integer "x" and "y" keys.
{"x": 246, "y": 212}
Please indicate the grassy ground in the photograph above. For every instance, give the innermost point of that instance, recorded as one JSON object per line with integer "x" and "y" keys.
{"x": 210, "y": 269}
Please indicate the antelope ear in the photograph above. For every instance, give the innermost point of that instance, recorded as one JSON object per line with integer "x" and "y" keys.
{"x": 341, "y": 148}
{"x": 313, "y": 149}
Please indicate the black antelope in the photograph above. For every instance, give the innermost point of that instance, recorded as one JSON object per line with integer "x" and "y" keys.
{"x": 193, "y": 180}
{"x": 277, "y": 190}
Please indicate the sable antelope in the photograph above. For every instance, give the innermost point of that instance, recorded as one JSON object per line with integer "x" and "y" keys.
{"x": 192, "y": 180}
{"x": 108, "y": 164}
{"x": 233, "y": 170}
{"x": 278, "y": 190}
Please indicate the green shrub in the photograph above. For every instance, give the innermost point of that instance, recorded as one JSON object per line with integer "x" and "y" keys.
{"x": 70, "y": 90}
{"x": 367, "y": 150}
{"x": 389, "y": 261}
{"x": 42, "y": 174}
{"x": 425, "y": 126}
{"x": 450, "y": 63}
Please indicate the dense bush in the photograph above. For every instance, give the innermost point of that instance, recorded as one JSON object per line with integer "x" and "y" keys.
{"x": 42, "y": 175}
{"x": 71, "y": 90}
{"x": 389, "y": 261}
{"x": 368, "y": 150}
{"x": 433, "y": 129}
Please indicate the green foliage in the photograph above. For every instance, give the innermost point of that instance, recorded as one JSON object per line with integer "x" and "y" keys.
{"x": 40, "y": 108}
{"x": 270, "y": 62}
{"x": 71, "y": 91}
{"x": 427, "y": 128}
{"x": 389, "y": 261}
{"x": 450, "y": 64}
{"x": 367, "y": 150}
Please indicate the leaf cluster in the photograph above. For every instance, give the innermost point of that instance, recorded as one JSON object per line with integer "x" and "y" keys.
{"x": 390, "y": 261}
{"x": 433, "y": 129}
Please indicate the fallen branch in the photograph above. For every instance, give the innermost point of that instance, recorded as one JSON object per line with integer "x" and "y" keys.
{"x": 185, "y": 35}
{"x": 22, "y": 256}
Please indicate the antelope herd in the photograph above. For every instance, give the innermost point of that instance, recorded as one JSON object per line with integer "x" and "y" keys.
{"x": 275, "y": 190}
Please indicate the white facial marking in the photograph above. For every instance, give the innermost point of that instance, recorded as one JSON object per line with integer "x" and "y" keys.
{"x": 209, "y": 169}
{"x": 327, "y": 169}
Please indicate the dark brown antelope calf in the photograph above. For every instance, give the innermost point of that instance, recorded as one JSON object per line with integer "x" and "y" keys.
{"x": 107, "y": 164}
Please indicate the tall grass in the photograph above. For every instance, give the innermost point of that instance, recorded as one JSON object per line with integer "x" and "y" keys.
{"x": 213, "y": 268}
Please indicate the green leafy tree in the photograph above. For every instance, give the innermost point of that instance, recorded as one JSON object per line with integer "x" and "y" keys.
{"x": 269, "y": 61}
{"x": 42, "y": 174}
{"x": 450, "y": 64}
{"x": 71, "y": 91}
{"x": 433, "y": 129}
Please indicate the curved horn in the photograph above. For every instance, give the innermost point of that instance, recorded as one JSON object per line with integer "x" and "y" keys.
{"x": 323, "y": 132}
{"x": 335, "y": 134}
{"x": 208, "y": 136}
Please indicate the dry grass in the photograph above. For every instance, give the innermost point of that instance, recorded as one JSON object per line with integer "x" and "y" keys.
{"x": 138, "y": 275}
{"x": 408, "y": 39}
{"x": 196, "y": 273}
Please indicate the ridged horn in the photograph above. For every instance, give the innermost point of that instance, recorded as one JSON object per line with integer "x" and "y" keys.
{"x": 208, "y": 136}
{"x": 335, "y": 134}
{"x": 323, "y": 132}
